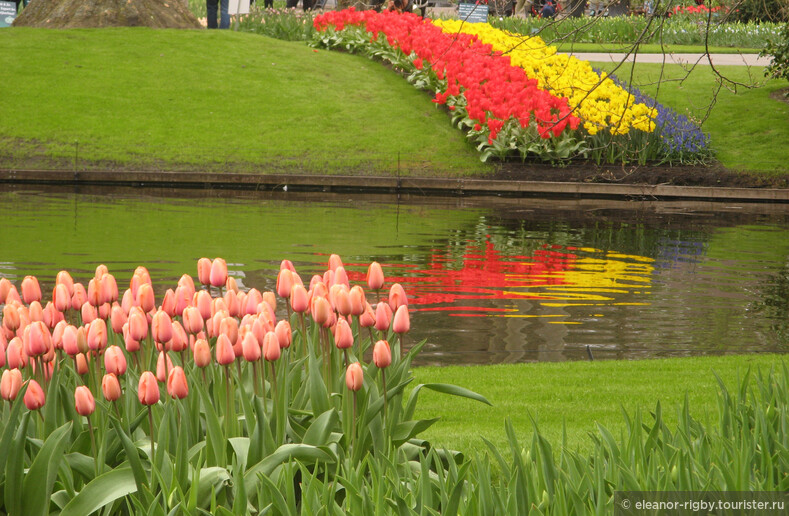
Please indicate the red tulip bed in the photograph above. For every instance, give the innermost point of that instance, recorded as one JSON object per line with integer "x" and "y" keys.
{"x": 205, "y": 400}
{"x": 487, "y": 80}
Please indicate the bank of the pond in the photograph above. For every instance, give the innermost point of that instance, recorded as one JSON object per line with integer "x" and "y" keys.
{"x": 576, "y": 182}
{"x": 575, "y": 396}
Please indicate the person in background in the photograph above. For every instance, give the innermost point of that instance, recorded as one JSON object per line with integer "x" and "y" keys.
{"x": 548, "y": 10}
{"x": 523, "y": 6}
{"x": 211, "y": 12}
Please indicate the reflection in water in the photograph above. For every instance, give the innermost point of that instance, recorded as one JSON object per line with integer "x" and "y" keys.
{"x": 515, "y": 280}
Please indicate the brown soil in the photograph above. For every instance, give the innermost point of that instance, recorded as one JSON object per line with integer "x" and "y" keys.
{"x": 68, "y": 14}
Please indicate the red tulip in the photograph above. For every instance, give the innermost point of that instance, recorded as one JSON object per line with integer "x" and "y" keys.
{"x": 177, "y": 387}
{"x": 375, "y": 276}
{"x": 224, "y": 350}
{"x": 34, "y": 396}
{"x": 115, "y": 361}
{"x": 218, "y": 274}
{"x": 10, "y": 384}
{"x": 110, "y": 387}
{"x": 83, "y": 401}
{"x": 31, "y": 291}
{"x": 382, "y": 355}
{"x": 148, "y": 389}
{"x": 354, "y": 377}
{"x": 202, "y": 353}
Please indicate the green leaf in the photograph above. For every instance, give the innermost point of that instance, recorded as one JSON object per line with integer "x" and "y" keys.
{"x": 8, "y": 434}
{"x": 304, "y": 453}
{"x": 408, "y": 429}
{"x": 455, "y": 390}
{"x": 211, "y": 481}
{"x": 13, "y": 468}
{"x": 103, "y": 490}
{"x": 319, "y": 431}
{"x": 132, "y": 455}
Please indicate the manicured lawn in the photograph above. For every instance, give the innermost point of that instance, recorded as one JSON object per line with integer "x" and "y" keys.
{"x": 651, "y": 48}
{"x": 578, "y": 395}
{"x": 200, "y": 99}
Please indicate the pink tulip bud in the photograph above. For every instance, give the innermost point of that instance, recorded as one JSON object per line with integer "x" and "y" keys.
{"x": 383, "y": 317}
{"x": 284, "y": 283}
{"x": 343, "y": 335}
{"x": 375, "y": 276}
{"x": 271, "y": 349}
{"x": 64, "y": 278}
{"x": 163, "y": 364}
{"x": 115, "y": 361}
{"x": 118, "y": 318}
{"x": 34, "y": 396}
{"x": 202, "y": 353}
{"x": 52, "y": 316}
{"x": 38, "y": 339}
{"x": 31, "y": 291}
{"x": 81, "y": 363}
{"x": 321, "y": 311}
{"x": 186, "y": 283}
{"x": 271, "y": 300}
{"x": 382, "y": 355}
{"x": 218, "y": 275}
{"x": 83, "y": 401}
{"x": 250, "y": 347}
{"x": 354, "y": 377}
{"x": 177, "y": 387}
{"x": 204, "y": 271}
{"x": 10, "y": 384}
{"x": 138, "y": 324}
{"x": 224, "y": 350}
{"x": 97, "y": 335}
{"x": 93, "y": 292}
{"x": 61, "y": 297}
{"x": 161, "y": 327}
{"x": 108, "y": 289}
{"x": 397, "y": 297}
{"x": 79, "y": 297}
{"x": 148, "y": 389}
{"x": 35, "y": 312}
{"x": 89, "y": 313}
{"x": 145, "y": 297}
{"x": 298, "y": 299}
{"x": 284, "y": 334}
{"x": 110, "y": 387}
{"x": 127, "y": 302}
{"x": 70, "y": 340}
{"x": 357, "y": 299}
{"x": 334, "y": 262}
{"x": 82, "y": 339}
{"x": 168, "y": 303}
{"x": 367, "y": 319}
{"x": 5, "y": 287}
{"x": 402, "y": 321}
{"x": 341, "y": 277}
{"x": 101, "y": 270}
{"x": 203, "y": 303}
{"x": 193, "y": 320}
{"x": 231, "y": 284}
{"x": 180, "y": 340}
{"x": 339, "y": 295}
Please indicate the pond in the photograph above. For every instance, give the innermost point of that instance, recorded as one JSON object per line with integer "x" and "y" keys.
{"x": 490, "y": 280}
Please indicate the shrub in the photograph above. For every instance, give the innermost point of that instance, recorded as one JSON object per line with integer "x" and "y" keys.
{"x": 779, "y": 50}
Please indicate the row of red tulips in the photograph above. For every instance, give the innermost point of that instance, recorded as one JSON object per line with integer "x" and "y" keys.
{"x": 472, "y": 76}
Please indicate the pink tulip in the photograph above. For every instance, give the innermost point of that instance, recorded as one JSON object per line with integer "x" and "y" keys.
{"x": 271, "y": 349}
{"x": 163, "y": 365}
{"x": 97, "y": 335}
{"x": 177, "y": 387}
{"x": 83, "y": 401}
{"x": 341, "y": 277}
{"x": 284, "y": 334}
{"x": 188, "y": 285}
{"x": 10, "y": 384}
{"x": 250, "y": 347}
{"x": 343, "y": 335}
{"x": 128, "y": 301}
{"x": 11, "y": 320}
{"x": 161, "y": 327}
{"x": 138, "y": 324}
{"x": 193, "y": 320}
{"x": 110, "y": 387}
{"x": 340, "y": 298}
{"x": 367, "y": 319}
{"x": 203, "y": 303}
{"x": 202, "y": 353}
{"x": 108, "y": 289}
{"x": 357, "y": 299}
{"x": 35, "y": 312}
{"x": 298, "y": 299}
{"x": 79, "y": 297}
{"x": 5, "y": 287}
{"x": 231, "y": 300}
{"x": 284, "y": 283}
{"x": 118, "y": 318}
{"x": 397, "y": 297}
{"x": 101, "y": 270}
{"x": 61, "y": 297}
{"x": 94, "y": 292}
{"x": 204, "y": 271}
{"x": 218, "y": 274}
{"x": 334, "y": 262}
{"x": 34, "y": 396}
{"x": 81, "y": 363}
{"x": 115, "y": 361}
{"x": 148, "y": 389}
{"x": 231, "y": 284}
{"x": 375, "y": 276}
{"x": 224, "y": 350}
{"x": 180, "y": 340}
{"x": 354, "y": 377}
{"x": 382, "y": 354}
{"x": 402, "y": 321}
{"x": 145, "y": 297}
{"x": 321, "y": 311}
{"x": 38, "y": 340}
{"x": 65, "y": 279}
{"x": 70, "y": 340}
{"x": 31, "y": 291}
{"x": 168, "y": 303}
{"x": 383, "y": 317}
{"x": 89, "y": 313}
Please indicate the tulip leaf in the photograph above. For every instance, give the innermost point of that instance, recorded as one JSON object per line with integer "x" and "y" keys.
{"x": 132, "y": 455}
{"x": 211, "y": 481}
{"x": 81, "y": 464}
{"x": 240, "y": 446}
{"x": 37, "y": 487}
{"x": 215, "y": 438}
{"x": 408, "y": 429}
{"x": 13, "y": 468}
{"x": 319, "y": 397}
{"x": 303, "y": 453}
{"x": 8, "y": 434}
{"x": 320, "y": 429}
{"x": 103, "y": 490}
{"x": 456, "y": 390}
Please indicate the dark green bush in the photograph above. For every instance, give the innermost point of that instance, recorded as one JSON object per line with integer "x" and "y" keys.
{"x": 779, "y": 50}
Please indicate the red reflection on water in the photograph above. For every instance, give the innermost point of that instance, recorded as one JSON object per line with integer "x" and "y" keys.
{"x": 481, "y": 272}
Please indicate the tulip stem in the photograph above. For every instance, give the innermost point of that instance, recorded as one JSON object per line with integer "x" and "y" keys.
{"x": 383, "y": 382}
{"x": 273, "y": 384}
{"x": 150, "y": 424}
{"x": 303, "y": 335}
{"x": 229, "y": 413}
{"x": 93, "y": 446}
{"x": 255, "y": 376}
{"x": 353, "y": 427}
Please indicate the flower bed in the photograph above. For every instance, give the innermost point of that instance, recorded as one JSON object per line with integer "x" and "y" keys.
{"x": 513, "y": 95}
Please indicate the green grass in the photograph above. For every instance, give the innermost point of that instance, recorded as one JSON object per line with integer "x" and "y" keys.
{"x": 748, "y": 129}
{"x": 650, "y": 48}
{"x": 202, "y": 99}
{"x": 575, "y": 394}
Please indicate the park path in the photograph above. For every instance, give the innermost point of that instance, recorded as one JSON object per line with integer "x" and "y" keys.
{"x": 684, "y": 59}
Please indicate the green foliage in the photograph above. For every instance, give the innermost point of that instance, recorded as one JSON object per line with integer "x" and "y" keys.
{"x": 758, "y": 10}
{"x": 285, "y": 24}
{"x": 778, "y": 49}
